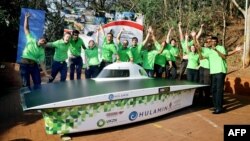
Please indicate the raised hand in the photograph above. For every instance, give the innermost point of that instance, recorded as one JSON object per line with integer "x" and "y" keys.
{"x": 238, "y": 48}
{"x": 179, "y": 24}
{"x": 27, "y": 15}
{"x": 186, "y": 35}
{"x": 150, "y": 30}
{"x": 193, "y": 33}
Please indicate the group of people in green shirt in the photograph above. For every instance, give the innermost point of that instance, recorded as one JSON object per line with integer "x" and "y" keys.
{"x": 206, "y": 64}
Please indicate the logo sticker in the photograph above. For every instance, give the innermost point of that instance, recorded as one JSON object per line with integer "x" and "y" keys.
{"x": 111, "y": 97}
{"x": 101, "y": 123}
{"x": 133, "y": 115}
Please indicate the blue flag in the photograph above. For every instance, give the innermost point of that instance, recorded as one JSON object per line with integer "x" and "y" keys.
{"x": 36, "y": 27}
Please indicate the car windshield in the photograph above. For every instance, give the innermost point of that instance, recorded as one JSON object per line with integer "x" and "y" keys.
{"x": 113, "y": 73}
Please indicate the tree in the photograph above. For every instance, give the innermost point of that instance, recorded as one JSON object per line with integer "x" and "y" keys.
{"x": 246, "y": 52}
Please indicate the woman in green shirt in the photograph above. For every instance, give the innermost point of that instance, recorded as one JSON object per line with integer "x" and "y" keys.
{"x": 149, "y": 54}
{"x": 193, "y": 62}
{"x": 92, "y": 58}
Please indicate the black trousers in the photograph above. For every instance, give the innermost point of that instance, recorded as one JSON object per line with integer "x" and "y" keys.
{"x": 217, "y": 89}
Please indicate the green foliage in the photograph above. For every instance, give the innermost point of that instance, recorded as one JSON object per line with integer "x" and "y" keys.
{"x": 164, "y": 14}
{"x": 3, "y": 17}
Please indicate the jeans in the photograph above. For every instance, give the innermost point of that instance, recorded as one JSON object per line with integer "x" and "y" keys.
{"x": 171, "y": 73}
{"x": 217, "y": 90}
{"x": 192, "y": 75}
{"x": 183, "y": 67}
{"x": 150, "y": 72}
{"x": 75, "y": 65}
{"x": 158, "y": 70}
{"x": 27, "y": 70}
{"x": 58, "y": 67}
{"x": 92, "y": 72}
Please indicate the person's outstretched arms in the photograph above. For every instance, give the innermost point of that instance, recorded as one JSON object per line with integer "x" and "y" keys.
{"x": 97, "y": 36}
{"x": 200, "y": 31}
{"x": 180, "y": 32}
{"x": 26, "y": 23}
{"x": 237, "y": 49}
{"x": 148, "y": 34}
{"x": 119, "y": 36}
{"x": 102, "y": 31}
{"x": 168, "y": 35}
{"x": 186, "y": 43}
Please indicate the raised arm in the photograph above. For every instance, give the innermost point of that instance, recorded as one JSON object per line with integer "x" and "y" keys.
{"x": 153, "y": 36}
{"x": 168, "y": 35}
{"x": 147, "y": 37}
{"x": 180, "y": 31}
{"x": 102, "y": 31}
{"x": 119, "y": 36}
{"x": 237, "y": 49}
{"x": 26, "y": 23}
{"x": 198, "y": 48}
{"x": 200, "y": 31}
{"x": 186, "y": 43}
{"x": 97, "y": 36}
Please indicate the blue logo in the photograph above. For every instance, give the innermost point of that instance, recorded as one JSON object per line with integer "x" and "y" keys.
{"x": 111, "y": 97}
{"x": 133, "y": 115}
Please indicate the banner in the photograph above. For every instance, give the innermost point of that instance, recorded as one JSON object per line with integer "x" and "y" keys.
{"x": 36, "y": 27}
{"x": 87, "y": 23}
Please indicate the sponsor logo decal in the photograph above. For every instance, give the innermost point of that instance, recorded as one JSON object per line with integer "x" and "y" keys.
{"x": 133, "y": 115}
{"x": 101, "y": 123}
{"x": 114, "y": 114}
{"x": 118, "y": 96}
{"x": 111, "y": 97}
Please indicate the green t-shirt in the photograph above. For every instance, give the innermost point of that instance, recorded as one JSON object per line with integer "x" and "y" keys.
{"x": 148, "y": 58}
{"x": 204, "y": 62}
{"x": 61, "y": 50}
{"x": 124, "y": 53}
{"x": 174, "y": 51}
{"x": 76, "y": 46}
{"x": 162, "y": 58}
{"x": 32, "y": 51}
{"x": 193, "y": 59}
{"x": 108, "y": 49}
{"x": 92, "y": 56}
{"x": 136, "y": 53}
{"x": 184, "y": 47}
{"x": 216, "y": 63}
